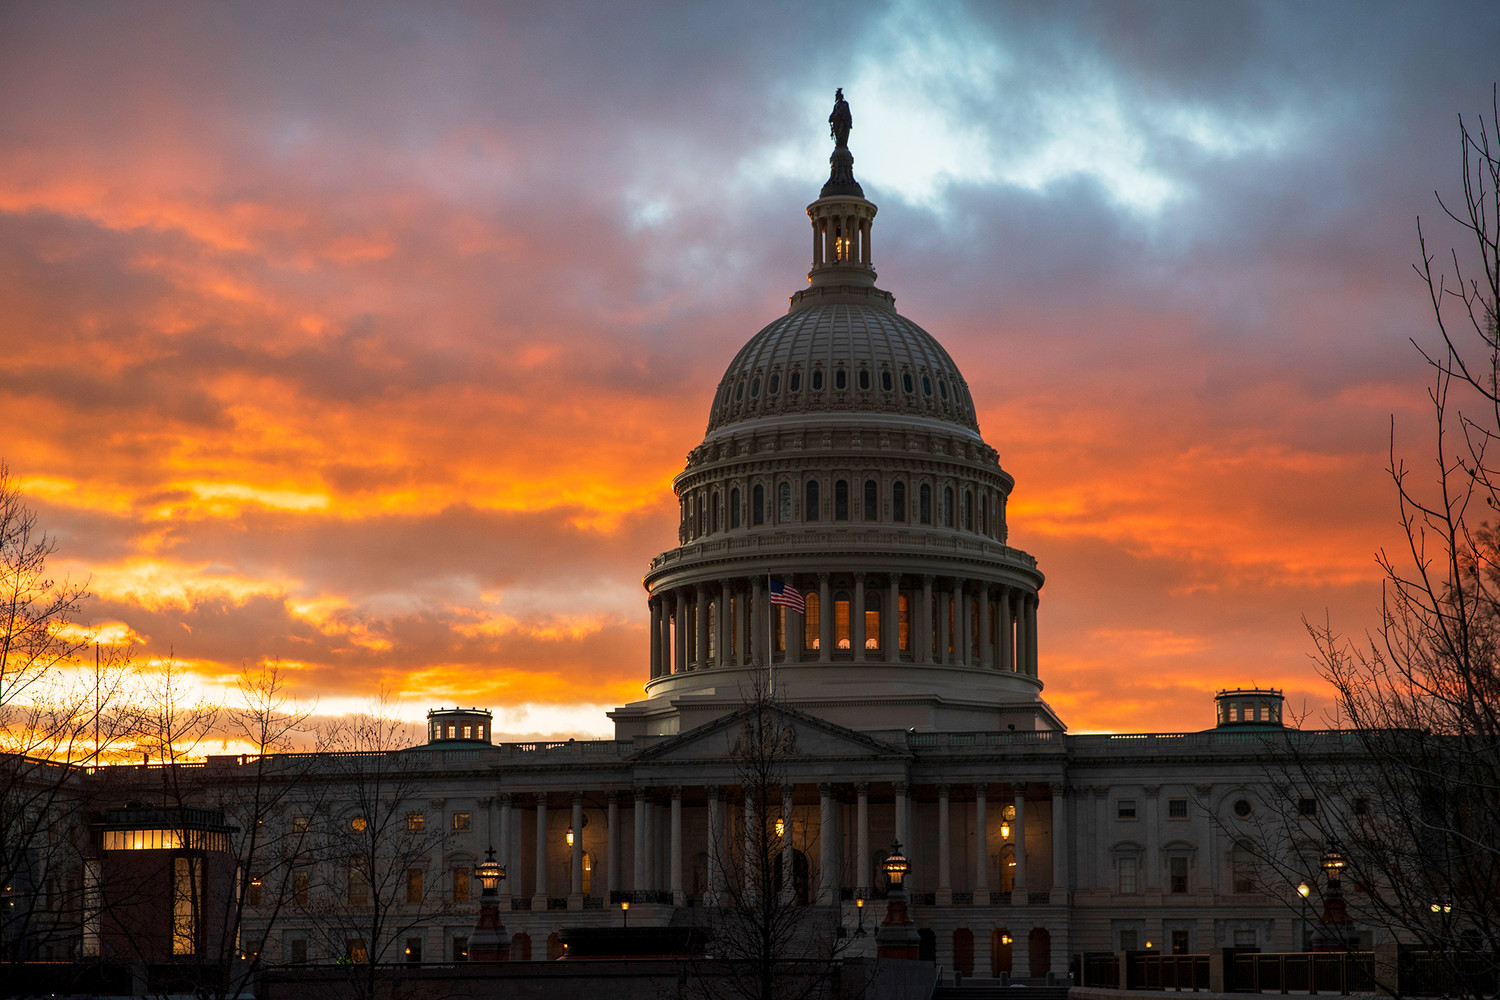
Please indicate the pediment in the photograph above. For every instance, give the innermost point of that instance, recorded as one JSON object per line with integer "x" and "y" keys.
{"x": 811, "y": 738}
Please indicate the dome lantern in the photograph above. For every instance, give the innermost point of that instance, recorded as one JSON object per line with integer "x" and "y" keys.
{"x": 841, "y": 223}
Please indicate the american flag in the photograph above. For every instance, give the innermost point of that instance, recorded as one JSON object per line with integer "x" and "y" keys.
{"x": 787, "y": 596}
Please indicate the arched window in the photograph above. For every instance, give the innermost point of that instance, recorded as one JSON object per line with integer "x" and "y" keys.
{"x": 872, "y": 500}
{"x": 947, "y": 506}
{"x": 885, "y": 381}
{"x": 717, "y": 506}
{"x": 811, "y": 622}
{"x": 784, "y": 502}
{"x": 841, "y": 500}
{"x": 926, "y": 386}
{"x": 924, "y": 504}
{"x": 841, "y": 620}
{"x": 758, "y": 505}
{"x": 734, "y": 507}
{"x": 906, "y": 384}
{"x": 713, "y": 631}
{"x": 810, "y": 501}
{"x": 984, "y": 519}
{"x": 968, "y": 510}
{"x": 841, "y": 380}
{"x": 817, "y": 380}
{"x": 775, "y": 384}
{"x": 794, "y": 384}
{"x": 864, "y": 380}
{"x": 872, "y": 619}
{"x": 898, "y": 502}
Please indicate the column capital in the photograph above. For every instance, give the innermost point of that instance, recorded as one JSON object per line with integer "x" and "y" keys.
{"x": 1151, "y": 790}
{"x": 863, "y": 787}
{"x": 1020, "y": 788}
{"x": 1100, "y": 791}
{"x": 1203, "y": 791}
{"x": 713, "y": 793}
{"x": 504, "y": 798}
{"x": 787, "y": 789}
{"x": 943, "y": 789}
{"x": 825, "y": 789}
{"x": 676, "y": 792}
{"x": 859, "y": 575}
{"x": 927, "y": 579}
{"x": 640, "y": 793}
{"x": 577, "y": 796}
{"x": 539, "y": 799}
{"x": 981, "y": 788}
{"x": 1057, "y": 787}
{"x": 901, "y": 787}
{"x": 612, "y": 797}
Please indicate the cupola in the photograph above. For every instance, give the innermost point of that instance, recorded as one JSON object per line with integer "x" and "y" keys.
{"x": 458, "y": 725}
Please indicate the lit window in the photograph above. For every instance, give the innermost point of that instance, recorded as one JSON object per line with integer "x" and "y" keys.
{"x": 461, "y": 821}
{"x": 468, "y": 732}
{"x": 253, "y": 891}
{"x": 416, "y": 822}
{"x": 872, "y": 620}
{"x": 187, "y": 890}
{"x": 905, "y": 624}
{"x": 355, "y": 951}
{"x": 358, "y": 824}
{"x": 841, "y": 620}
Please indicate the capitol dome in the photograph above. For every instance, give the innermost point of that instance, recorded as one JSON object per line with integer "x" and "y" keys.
{"x": 842, "y": 534}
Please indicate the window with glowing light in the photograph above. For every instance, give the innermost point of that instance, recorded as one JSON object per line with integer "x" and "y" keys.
{"x": 872, "y": 620}
{"x": 413, "y": 885}
{"x": 461, "y": 821}
{"x": 905, "y": 624}
{"x": 811, "y": 623}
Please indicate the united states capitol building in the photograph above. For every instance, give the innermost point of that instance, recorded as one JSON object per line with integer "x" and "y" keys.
{"x": 843, "y": 464}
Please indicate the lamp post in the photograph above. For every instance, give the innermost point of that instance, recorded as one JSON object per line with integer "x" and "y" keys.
{"x": 1337, "y": 932}
{"x": 1303, "y": 889}
{"x": 859, "y": 905}
{"x": 624, "y": 913}
{"x": 897, "y": 936}
{"x": 489, "y": 943}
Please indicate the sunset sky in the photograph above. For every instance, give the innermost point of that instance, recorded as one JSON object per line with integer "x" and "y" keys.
{"x": 368, "y": 339}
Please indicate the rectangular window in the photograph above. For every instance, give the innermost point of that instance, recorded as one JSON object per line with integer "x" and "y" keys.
{"x": 461, "y": 878}
{"x": 1307, "y": 807}
{"x": 413, "y": 885}
{"x": 460, "y": 949}
{"x": 414, "y": 950}
{"x": 1177, "y": 809}
{"x": 1125, "y": 809}
{"x": 359, "y": 886}
{"x": 187, "y": 877}
{"x": 252, "y": 891}
{"x": 841, "y": 621}
{"x": 299, "y": 888}
{"x": 468, "y": 732}
{"x": 416, "y": 822}
{"x": 1178, "y": 870}
{"x": 1244, "y": 938}
{"x": 1361, "y": 806}
{"x": 779, "y": 630}
{"x": 299, "y": 951}
{"x": 1128, "y": 870}
{"x": 1242, "y": 869}
{"x": 299, "y": 824}
{"x": 354, "y": 951}
{"x": 1129, "y": 941}
{"x": 460, "y": 821}
{"x": 1179, "y": 942}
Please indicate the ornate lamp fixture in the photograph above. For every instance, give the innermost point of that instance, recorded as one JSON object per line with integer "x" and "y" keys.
{"x": 489, "y": 942}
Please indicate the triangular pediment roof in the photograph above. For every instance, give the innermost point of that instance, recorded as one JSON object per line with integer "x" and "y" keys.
{"x": 815, "y": 739}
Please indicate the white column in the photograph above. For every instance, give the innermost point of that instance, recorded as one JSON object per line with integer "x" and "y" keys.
{"x": 575, "y": 894}
{"x": 1153, "y": 839}
{"x": 788, "y": 853}
{"x": 862, "y": 839}
{"x": 758, "y": 623}
{"x": 945, "y": 858}
{"x": 502, "y": 848}
{"x": 1031, "y": 665}
{"x": 825, "y": 619}
{"x": 986, "y": 651}
{"x": 679, "y": 898}
{"x": 638, "y": 874}
{"x": 902, "y": 834}
{"x": 700, "y": 600}
{"x": 1059, "y": 843}
{"x": 981, "y": 847}
{"x": 655, "y": 607}
{"x": 539, "y": 898}
{"x": 612, "y": 857}
{"x": 679, "y": 641}
{"x": 857, "y": 619}
{"x": 715, "y": 847}
{"x": 1018, "y": 831}
{"x": 827, "y": 861}
{"x": 1003, "y": 631}
{"x": 893, "y": 621}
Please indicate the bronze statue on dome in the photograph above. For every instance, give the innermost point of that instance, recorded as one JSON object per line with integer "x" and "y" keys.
{"x": 840, "y": 122}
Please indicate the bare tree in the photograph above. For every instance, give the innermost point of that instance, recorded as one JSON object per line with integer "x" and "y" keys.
{"x": 1405, "y": 795}
{"x": 380, "y": 852}
{"x": 60, "y": 712}
{"x": 768, "y": 938}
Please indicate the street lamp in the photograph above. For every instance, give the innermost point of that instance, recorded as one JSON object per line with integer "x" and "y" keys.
{"x": 1303, "y": 890}
{"x": 488, "y": 943}
{"x": 569, "y": 836}
{"x": 859, "y": 904}
{"x": 624, "y": 913}
{"x": 895, "y": 866}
